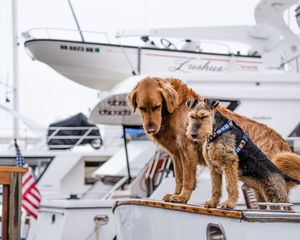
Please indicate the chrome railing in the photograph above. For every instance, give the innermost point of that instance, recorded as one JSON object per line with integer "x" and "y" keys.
{"x": 66, "y": 34}
{"x": 291, "y": 65}
{"x": 83, "y": 135}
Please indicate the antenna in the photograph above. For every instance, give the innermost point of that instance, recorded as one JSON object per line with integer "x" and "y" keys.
{"x": 76, "y": 21}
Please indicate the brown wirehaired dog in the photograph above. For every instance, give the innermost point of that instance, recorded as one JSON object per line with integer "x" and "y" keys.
{"x": 229, "y": 151}
{"x": 164, "y": 115}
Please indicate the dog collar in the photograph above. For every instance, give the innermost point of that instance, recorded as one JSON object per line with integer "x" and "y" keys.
{"x": 224, "y": 128}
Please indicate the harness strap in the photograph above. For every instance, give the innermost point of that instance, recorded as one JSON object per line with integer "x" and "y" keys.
{"x": 243, "y": 142}
{"x": 226, "y": 127}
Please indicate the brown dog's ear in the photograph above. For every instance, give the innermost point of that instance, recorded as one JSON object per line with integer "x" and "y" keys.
{"x": 170, "y": 96}
{"x": 131, "y": 97}
{"x": 192, "y": 103}
{"x": 211, "y": 103}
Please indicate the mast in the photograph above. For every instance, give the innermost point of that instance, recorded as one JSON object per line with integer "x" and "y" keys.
{"x": 15, "y": 67}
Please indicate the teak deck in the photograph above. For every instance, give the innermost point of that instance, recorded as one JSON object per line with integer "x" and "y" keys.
{"x": 242, "y": 214}
{"x": 183, "y": 207}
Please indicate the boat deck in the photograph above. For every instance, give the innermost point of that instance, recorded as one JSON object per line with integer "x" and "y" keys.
{"x": 250, "y": 215}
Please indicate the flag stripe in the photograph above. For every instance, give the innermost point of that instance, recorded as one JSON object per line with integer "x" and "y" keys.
{"x": 36, "y": 196}
{"x": 29, "y": 211}
{"x": 29, "y": 204}
{"x": 31, "y": 200}
{"x": 33, "y": 197}
{"x": 26, "y": 177}
{"x": 27, "y": 185}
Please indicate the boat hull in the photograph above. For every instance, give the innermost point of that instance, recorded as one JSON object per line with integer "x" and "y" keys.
{"x": 102, "y": 66}
{"x": 149, "y": 220}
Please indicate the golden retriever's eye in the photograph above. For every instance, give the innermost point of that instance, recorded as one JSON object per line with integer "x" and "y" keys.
{"x": 202, "y": 117}
{"x": 192, "y": 116}
{"x": 142, "y": 109}
{"x": 154, "y": 108}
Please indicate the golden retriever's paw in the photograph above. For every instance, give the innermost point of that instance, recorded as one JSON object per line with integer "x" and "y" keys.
{"x": 178, "y": 198}
{"x": 228, "y": 204}
{"x": 289, "y": 208}
{"x": 167, "y": 197}
{"x": 210, "y": 203}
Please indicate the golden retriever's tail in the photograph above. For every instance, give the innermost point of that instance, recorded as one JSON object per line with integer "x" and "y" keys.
{"x": 289, "y": 164}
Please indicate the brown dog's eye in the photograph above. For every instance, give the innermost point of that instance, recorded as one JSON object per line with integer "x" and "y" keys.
{"x": 192, "y": 117}
{"x": 202, "y": 117}
{"x": 142, "y": 109}
{"x": 155, "y": 107}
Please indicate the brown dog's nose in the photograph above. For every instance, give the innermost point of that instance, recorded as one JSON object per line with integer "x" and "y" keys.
{"x": 194, "y": 135}
{"x": 151, "y": 128}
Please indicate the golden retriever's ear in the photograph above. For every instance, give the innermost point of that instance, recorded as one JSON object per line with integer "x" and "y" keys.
{"x": 211, "y": 103}
{"x": 170, "y": 96}
{"x": 192, "y": 103}
{"x": 131, "y": 97}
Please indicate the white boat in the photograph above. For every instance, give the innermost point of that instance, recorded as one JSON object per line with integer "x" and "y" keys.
{"x": 69, "y": 200}
{"x": 151, "y": 218}
{"x": 101, "y": 65}
{"x": 83, "y": 185}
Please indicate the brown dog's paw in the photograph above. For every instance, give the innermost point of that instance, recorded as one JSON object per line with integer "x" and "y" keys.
{"x": 228, "y": 204}
{"x": 166, "y": 197}
{"x": 288, "y": 208}
{"x": 210, "y": 203}
{"x": 178, "y": 198}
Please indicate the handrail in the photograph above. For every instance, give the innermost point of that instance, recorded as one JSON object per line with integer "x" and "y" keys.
{"x": 84, "y": 134}
{"x": 157, "y": 170}
{"x": 73, "y": 128}
{"x": 11, "y": 169}
{"x": 295, "y": 59}
{"x": 29, "y": 34}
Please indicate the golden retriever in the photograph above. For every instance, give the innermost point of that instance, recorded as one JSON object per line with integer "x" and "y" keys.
{"x": 162, "y": 104}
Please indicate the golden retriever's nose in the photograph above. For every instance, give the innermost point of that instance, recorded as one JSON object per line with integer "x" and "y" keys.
{"x": 151, "y": 129}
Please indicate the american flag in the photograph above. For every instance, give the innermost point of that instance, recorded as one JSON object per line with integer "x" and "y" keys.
{"x": 31, "y": 197}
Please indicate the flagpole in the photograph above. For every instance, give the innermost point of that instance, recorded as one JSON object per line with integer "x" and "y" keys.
{"x": 15, "y": 67}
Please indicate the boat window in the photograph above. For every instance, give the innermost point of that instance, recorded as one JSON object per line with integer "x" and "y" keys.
{"x": 38, "y": 164}
{"x": 89, "y": 168}
{"x": 230, "y": 104}
{"x": 295, "y": 132}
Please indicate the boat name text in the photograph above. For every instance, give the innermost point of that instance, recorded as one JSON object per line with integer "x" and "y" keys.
{"x": 187, "y": 65}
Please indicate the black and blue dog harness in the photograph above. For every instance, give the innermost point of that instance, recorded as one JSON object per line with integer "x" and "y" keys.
{"x": 226, "y": 127}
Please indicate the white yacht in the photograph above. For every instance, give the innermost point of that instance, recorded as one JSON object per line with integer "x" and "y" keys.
{"x": 151, "y": 219}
